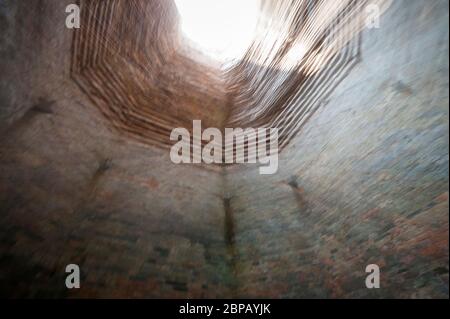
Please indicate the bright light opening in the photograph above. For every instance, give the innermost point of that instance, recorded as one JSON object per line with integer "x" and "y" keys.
{"x": 223, "y": 29}
{"x": 295, "y": 55}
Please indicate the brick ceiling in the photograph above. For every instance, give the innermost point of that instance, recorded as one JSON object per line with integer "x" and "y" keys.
{"x": 131, "y": 60}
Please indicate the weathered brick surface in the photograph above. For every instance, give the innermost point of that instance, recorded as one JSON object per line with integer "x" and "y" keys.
{"x": 73, "y": 191}
{"x": 366, "y": 181}
{"x": 139, "y": 226}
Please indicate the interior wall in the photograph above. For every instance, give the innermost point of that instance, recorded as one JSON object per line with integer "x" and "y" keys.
{"x": 365, "y": 181}
{"x": 75, "y": 191}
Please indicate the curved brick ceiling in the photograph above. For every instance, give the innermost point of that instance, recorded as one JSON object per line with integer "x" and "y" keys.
{"x": 131, "y": 60}
{"x": 126, "y": 59}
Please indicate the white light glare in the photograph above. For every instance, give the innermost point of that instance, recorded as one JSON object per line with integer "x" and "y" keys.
{"x": 295, "y": 55}
{"x": 224, "y": 29}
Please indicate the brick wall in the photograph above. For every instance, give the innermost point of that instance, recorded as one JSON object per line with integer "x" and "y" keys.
{"x": 73, "y": 190}
{"x": 365, "y": 181}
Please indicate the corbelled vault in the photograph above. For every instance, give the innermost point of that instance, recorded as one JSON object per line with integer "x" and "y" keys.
{"x": 86, "y": 178}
